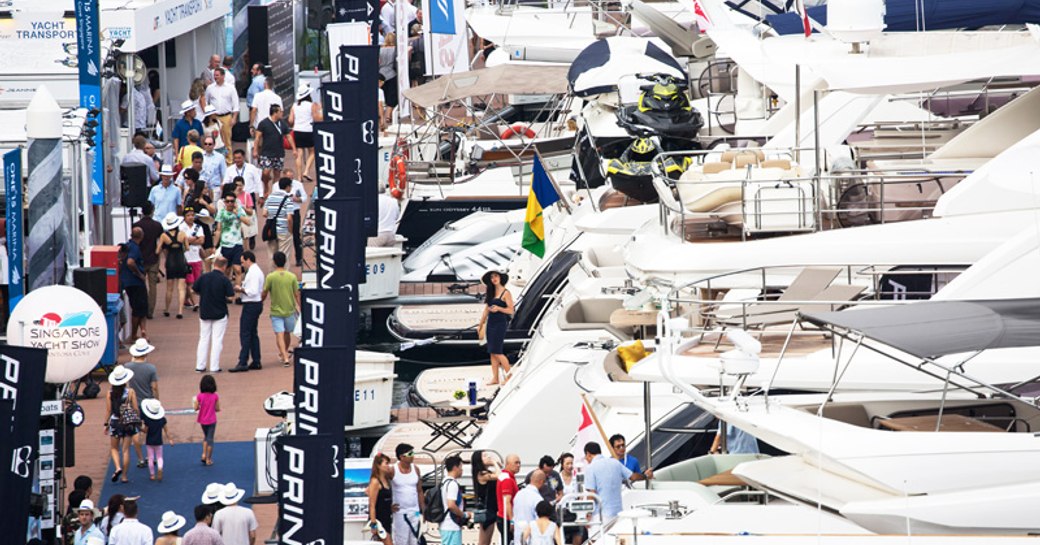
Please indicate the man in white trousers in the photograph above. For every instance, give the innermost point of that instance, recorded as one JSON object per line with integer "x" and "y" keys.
{"x": 214, "y": 290}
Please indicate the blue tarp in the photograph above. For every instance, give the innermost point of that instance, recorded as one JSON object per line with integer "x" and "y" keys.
{"x": 904, "y": 15}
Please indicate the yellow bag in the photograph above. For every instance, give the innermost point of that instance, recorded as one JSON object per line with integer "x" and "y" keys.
{"x": 630, "y": 353}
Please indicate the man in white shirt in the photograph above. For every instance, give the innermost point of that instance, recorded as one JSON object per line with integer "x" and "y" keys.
{"x": 224, "y": 98}
{"x": 389, "y": 210}
{"x": 454, "y": 507}
{"x": 388, "y": 18}
{"x": 237, "y": 525}
{"x": 260, "y": 107}
{"x": 229, "y": 74}
{"x": 526, "y": 502}
{"x": 130, "y": 531}
{"x": 252, "y": 306}
{"x": 249, "y": 172}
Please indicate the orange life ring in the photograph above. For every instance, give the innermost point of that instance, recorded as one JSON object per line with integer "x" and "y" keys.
{"x": 398, "y": 176}
{"x": 517, "y": 129}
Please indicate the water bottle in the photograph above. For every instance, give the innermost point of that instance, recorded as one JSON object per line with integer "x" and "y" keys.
{"x": 472, "y": 392}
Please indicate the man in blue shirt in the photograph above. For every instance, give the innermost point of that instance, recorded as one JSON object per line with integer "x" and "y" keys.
{"x": 165, "y": 196}
{"x": 214, "y": 168}
{"x": 131, "y": 277}
{"x": 257, "y": 84}
{"x": 185, "y": 124}
{"x": 85, "y": 513}
{"x": 619, "y": 447}
{"x": 605, "y": 477}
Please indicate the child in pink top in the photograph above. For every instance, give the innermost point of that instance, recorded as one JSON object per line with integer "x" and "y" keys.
{"x": 207, "y": 404}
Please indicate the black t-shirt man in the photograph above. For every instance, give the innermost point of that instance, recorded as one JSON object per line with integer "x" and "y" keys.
{"x": 271, "y": 143}
{"x": 213, "y": 288}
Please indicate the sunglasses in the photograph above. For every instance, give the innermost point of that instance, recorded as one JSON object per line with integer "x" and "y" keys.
{"x": 410, "y": 453}
{"x": 229, "y": 201}
{"x": 208, "y": 144}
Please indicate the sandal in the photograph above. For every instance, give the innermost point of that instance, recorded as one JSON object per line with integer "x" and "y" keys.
{"x": 180, "y": 316}
{"x": 115, "y": 476}
{"x": 166, "y": 313}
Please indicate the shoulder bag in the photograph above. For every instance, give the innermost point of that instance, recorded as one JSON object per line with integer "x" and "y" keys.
{"x": 270, "y": 231}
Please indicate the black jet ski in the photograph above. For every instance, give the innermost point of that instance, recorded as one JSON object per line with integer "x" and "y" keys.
{"x": 663, "y": 110}
{"x": 631, "y": 173}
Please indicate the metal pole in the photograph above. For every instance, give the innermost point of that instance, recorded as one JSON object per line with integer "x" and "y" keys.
{"x": 648, "y": 423}
{"x": 798, "y": 113}
{"x": 130, "y": 118}
{"x": 73, "y": 256}
{"x": 164, "y": 94}
{"x": 816, "y": 135}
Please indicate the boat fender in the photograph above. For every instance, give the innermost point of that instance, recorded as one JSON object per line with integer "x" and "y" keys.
{"x": 398, "y": 176}
{"x": 517, "y": 129}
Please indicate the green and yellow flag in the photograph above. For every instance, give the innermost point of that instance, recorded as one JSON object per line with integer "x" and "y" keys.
{"x": 543, "y": 194}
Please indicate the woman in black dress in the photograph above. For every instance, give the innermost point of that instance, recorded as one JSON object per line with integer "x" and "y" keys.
{"x": 381, "y": 499}
{"x": 498, "y": 309}
{"x": 173, "y": 241}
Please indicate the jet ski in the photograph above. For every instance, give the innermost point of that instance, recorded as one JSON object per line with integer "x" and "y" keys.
{"x": 663, "y": 110}
{"x": 631, "y": 173}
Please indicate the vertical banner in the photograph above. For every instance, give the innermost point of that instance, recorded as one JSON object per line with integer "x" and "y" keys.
{"x": 310, "y": 489}
{"x": 442, "y": 17}
{"x": 15, "y": 226}
{"x": 340, "y": 243}
{"x": 356, "y": 98}
{"x": 88, "y": 47}
{"x": 404, "y": 107}
{"x": 329, "y": 317}
{"x": 323, "y": 379}
{"x": 447, "y": 53}
{"x": 22, "y": 371}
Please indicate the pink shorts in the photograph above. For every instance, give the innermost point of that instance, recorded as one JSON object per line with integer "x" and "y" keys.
{"x": 194, "y": 272}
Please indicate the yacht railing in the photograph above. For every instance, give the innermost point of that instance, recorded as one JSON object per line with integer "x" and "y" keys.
{"x": 775, "y": 196}
{"x": 707, "y": 312}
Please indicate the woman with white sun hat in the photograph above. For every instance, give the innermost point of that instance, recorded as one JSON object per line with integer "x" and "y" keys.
{"x": 123, "y": 419}
{"x": 168, "y": 529}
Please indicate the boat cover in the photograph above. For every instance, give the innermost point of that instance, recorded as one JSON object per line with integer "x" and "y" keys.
{"x": 905, "y": 15}
{"x": 931, "y": 329}
{"x": 597, "y": 69}
{"x": 505, "y": 79}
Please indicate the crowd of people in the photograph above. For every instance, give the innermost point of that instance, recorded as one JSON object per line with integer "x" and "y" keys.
{"x": 532, "y": 513}
{"x": 219, "y": 520}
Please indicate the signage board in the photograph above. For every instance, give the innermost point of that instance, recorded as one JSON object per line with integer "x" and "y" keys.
{"x": 67, "y": 323}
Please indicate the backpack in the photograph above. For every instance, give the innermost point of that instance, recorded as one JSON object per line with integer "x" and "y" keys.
{"x": 435, "y": 511}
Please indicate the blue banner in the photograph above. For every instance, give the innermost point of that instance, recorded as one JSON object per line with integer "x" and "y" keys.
{"x": 442, "y": 17}
{"x": 88, "y": 42}
{"x": 323, "y": 388}
{"x": 15, "y": 221}
{"x": 310, "y": 489}
{"x": 330, "y": 317}
{"x": 355, "y": 98}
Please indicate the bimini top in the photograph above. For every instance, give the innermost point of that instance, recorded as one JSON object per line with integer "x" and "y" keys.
{"x": 504, "y": 79}
{"x": 931, "y": 329}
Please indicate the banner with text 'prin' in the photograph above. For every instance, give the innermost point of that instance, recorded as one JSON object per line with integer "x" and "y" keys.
{"x": 359, "y": 11}
{"x": 22, "y": 371}
{"x": 323, "y": 380}
{"x": 356, "y": 98}
{"x": 340, "y": 243}
{"x": 310, "y": 489}
{"x": 330, "y": 317}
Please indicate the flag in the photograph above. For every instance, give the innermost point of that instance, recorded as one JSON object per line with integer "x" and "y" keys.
{"x": 703, "y": 21}
{"x": 543, "y": 194}
{"x": 588, "y": 432}
{"x": 806, "y": 26}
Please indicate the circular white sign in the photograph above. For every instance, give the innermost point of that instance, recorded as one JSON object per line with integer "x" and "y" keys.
{"x": 65, "y": 321}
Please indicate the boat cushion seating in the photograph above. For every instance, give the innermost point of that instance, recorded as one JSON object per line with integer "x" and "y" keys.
{"x": 588, "y": 314}
{"x": 700, "y": 196}
{"x": 782, "y": 164}
{"x": 701, "y": 467}
{"x": 601, "y": 256}
{"x": 743, "y": 160}
{"x": 712, "y": 168}
{"x": 755, "y": 154}
{"x": 850, "y": 413}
